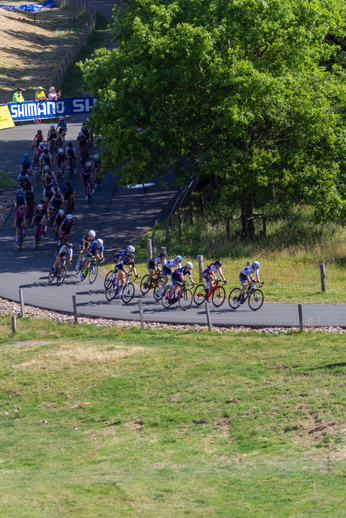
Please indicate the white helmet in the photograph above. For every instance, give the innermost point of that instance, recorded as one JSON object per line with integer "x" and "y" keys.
{"x": 96, "y": 156}
{"x": 46, "y": 168}
{"x": 39, "y": 206}
{"x": 88, "y": 164}
{"x": 60, "y": 150}
{"x": 69, "y": 216}
{"x": 189, "y": 265}
{"x": 100, "y": 242}
{"x": 92, "y": 233}
{"x": 62, "y": 118}
{"x": 80, "y": 134}
{"x": 52, "y": 126}
{"x": 61, "y": 212}
{"x": 41, "y": 144}
{"x": 131, "y": 249}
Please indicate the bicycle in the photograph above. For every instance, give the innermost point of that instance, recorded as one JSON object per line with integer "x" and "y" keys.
{"x": 156, "y": 278}
{"x": 59, "y": 272}
{"x": 89, "y": 191}
{"x": 216, "y": 293}
{"x": 60, "y": 178}
{"x": 184, "y": 296}
{"x": 164, "y": 290}
{"x": 20, "y": 238}
{"x": 52, "y": 214}
{"x": 92, "y": 270}
{"x": 128, "y": 290}
{"x": 70, "y": 167}
{"x": 84, "y": 155}
{"x": 254, "y": 295}
{"x": 81, "y": 263}
{"x": 69, "y": 205}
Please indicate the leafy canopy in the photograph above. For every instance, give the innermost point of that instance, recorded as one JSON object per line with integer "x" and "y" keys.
{"x": 236, "y": 86}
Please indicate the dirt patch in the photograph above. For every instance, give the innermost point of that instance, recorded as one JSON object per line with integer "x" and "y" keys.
{"x": 136, "y": 426}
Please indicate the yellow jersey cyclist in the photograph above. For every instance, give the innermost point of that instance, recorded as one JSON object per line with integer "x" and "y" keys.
{"x": 52, "y": 137}
{"x": 153, "y": 266}
{"x": 246, "y": 275}
{"x": 84, "y": 245}
{"x": 167, "y": 271}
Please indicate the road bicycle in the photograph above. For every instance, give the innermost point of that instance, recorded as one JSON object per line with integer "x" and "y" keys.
{"x": 38, "y": 174}
{"x": 184, "y": 296}
{"x": 160, "y": 290}
{"x": 81, "y": 263}
{"x": 38, "y": 236}
{"x": 98, "y": 181}
{"x": 216, "y": 293}
{"x": 60, "y": 178}
{"x": 92, "y": 271}
{"x": 254, "y": 296}
{"x": 154, "y": 283}
{"x": 128, "y": 290}
{"x": 69, "y": 204}
{"x": 59, "y": 273}
{"x": 61, "y": 138}
{"x": 70, "y": 167}
{"x": 52, "y": 214}
{"x": 89, "y": 191}
{"x": 84, "y": 154}
{"x": 20, "y": 238}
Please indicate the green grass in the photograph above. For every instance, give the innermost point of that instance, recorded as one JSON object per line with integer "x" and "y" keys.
{"x": 290, "y": 257}
{"x": 6, "y": 182}
{"x": 181, "y": 424}
{"x": 73, "y": 85}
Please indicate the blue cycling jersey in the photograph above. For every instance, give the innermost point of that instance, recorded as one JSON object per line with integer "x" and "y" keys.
{"x": 94, "y": 248}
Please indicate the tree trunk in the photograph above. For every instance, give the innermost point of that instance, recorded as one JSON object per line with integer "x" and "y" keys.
{"x": 246, "y": 212}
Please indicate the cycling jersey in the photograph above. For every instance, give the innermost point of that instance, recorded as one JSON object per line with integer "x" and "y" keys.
{"x": 40, "y": 152}
{"x": 248, "y": 270}
{"x": 48, "y": 193}
{"x": 56, "y": 201}
{"x": 93, "y": 248}
{"x": 46, "y": 157}
{"x": 61, "y": 159}
{"x": 20, "y": 217}
{"x": 26, "y": 164}
{"x": 52, "y": 134}
{"x": 62, "y": 125}
{"x": 81, "y": 139}
{"x": 97, "y": 163}
{"x": 64, "y": 252}
{"x": 20, "y": 199}
{"x": 176, "y": 276}
{"x": 67, "y": 192}
{"x": 23, "y": 178}
{"x": 86, "y": 174}
{"x": 67, "y": 226}
{"x": 172, "y": 263}
{"x": 70, "y": 152}
{"x": 49, "y": 177}
{"x": 58, "y": 220}
{"x": 86, "y": 241}
{"x": 155, "y": 261}
{"x": 212, "y": 268}
{"x": 39, "y": 216}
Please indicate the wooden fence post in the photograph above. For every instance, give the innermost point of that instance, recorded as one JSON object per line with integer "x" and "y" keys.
{"x": 300, "y": 315}
{"x": 22, "y": 305}
{"x": 75, "y": 314}
{"x": 14, "y": 324}
{"x": 140, "y": 307}
{"x": 153, "y": 239}
{"x": 200, "y": 267}
{"x": 323, "y": 277}
{"x": 149, "y": 249}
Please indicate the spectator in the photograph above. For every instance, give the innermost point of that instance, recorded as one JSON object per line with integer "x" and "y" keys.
{"x": 17, "y": 96}
{"x": 53, "y": 96}
{"x": 40, "y": 95}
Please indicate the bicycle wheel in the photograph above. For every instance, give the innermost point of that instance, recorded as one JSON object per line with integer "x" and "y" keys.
{"x": 128, "y": 293}
{"x": 51, "y": 276}
{"x": 61, "y": 275}
{"x": 233, "y": 298}
{"x": 82, "y": 269}
{"x": 144, "y": 280}
{"x": 111, "y": 293}
{"x": 38, "y": 175}
{"x": 165, "y": 298}
{"x": 20, "y": 239}
{"x": 37, "y": 238}
{"x": 199, "y": 294}
{"x": 256, "y": 300}
{"x": 158, "y": 287}
{"x": 93, "y": 271}
{"x": 108, "y": 280}
{"x": 185, "y": 299}
{"x": 218, "y": 296}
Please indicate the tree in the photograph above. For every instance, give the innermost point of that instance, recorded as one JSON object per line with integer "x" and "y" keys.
{"x": 237, "y": 87}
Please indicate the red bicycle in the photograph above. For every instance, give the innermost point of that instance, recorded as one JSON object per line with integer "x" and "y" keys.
{"x": 216, "y": 292}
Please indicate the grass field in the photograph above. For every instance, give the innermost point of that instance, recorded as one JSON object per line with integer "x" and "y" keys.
{"x": 290, "y": 257}
{"x": 32, "y": 53}
{"x": 6, "y": 182}
{"x": 180, "y": 424}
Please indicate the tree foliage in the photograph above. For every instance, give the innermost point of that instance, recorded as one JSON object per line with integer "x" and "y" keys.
{"x": 238, "y": 87}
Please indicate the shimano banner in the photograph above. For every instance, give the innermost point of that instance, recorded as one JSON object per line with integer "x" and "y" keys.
{"x": 29, "y": 7}
{"x": 47, "y": 109}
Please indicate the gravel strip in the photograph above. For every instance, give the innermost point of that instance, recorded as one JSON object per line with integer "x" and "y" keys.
{"x": 6, "y": 204}
{"x": 13, "y": 308}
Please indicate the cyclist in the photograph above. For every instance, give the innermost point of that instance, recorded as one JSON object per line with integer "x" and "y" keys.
{"x": 30, "y": 203}
{"x": 40, "y": 149}
{"x": 62, "y": 127}
{"x": 56, "y": 201}
{"x": 70, "y": 153}
{"x": 45, "y": 158}
{"x": 153, "y": 266}
{"x": 66, "y": 228}
{"x": 39, "y": 219}
{"x": 25, "y": 165}
{"x": 59, "y": 218}
{"x": 69, "y": 194}
{"x": 19, "y": 221}
{"x": 22, "y": 178}
{"x": 25, "y": 184}
{"x": 84, "y": 245}
{"x": 86, "y": 175}
{"x": 128, "y": 250}
{"x": 246, "y": 275}
{"x": 81, "y": 141}
{"x": 121, "y": 269}
{"x": 96, "y": 249}
{"x": 97, "y": 169}
{"x": 20, "y": 199}
{"x": 179, "y": 275}
{"x": 60, "y": 158}
{"x": 61, "y": 256}
{"x": 38, "y": 139}
{"x": 210, "y": 273}
{"x": 49, "y": 176}
{"x": 167, "y": 270}
{"x": 52, "y": 137}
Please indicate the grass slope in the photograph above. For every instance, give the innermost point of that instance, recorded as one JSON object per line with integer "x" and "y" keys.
{"x": 290, "y": 257}
{"x": 181, "y": 424}
{"x": 6, "y": 182}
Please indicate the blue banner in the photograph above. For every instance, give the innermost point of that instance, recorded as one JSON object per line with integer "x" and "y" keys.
{"x": 29, "y": 7}
{"x": 46, "y": 109}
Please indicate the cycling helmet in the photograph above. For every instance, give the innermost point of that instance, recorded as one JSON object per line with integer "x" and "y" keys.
{"x": 80, "y": 134}
{"x": 131, "y": 256}
{"x": 52, "y": 126}
{"x": 69, "y": 216}
{"x": 68, "y": 183}
{"x": 131, "y": 249}
{"x": 69, "y": 144}
{"x": 20, "y": 208}
{"x": 46, "y": 168}
{"x": 39, "y": 132}
{"x": 45, "y": 150}
{"x": 100, "y": 242}
{"x": 61, "y": 212}
{"x": 19, "y": 191}
{"x": 218, "y": 263}
{"x": 189, "y": 265}
{"x": 41, "y": 144}
{"x": 69, "y": 245}
{"x": 26, "y": 155}
{"x": 39, "y": 206}
{"x": 88, "y": 164}
{"x": 62, "y": 118}
{"x": 163, "y": 254}
{"x": 256, "y": 264}
{"x": 179, "y": 259}
{"x": 92, "y": 233}
{"x": 60, "y": 150}
{"x": 96, "y": 156}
